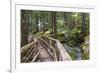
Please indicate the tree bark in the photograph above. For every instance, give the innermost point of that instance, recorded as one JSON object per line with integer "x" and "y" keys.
{"x": 65, "y": 18}
{"x": 24, "y": 27}
{"x": 83, "y": 28}
{"x": 53, "y": 24}
{"x": 36, "y": 23}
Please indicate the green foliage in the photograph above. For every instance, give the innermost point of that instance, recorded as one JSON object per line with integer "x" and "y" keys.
{"x": 85, "y": 48}
{"x": 74, "y": 37}
{"x": 85, "y": 56}
{"x": 73, "y": 55}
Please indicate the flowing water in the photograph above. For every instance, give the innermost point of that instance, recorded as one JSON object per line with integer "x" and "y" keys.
{"x": 76, "y": 49}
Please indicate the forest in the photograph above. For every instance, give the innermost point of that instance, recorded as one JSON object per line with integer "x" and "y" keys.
{"x": 54, "y": 36}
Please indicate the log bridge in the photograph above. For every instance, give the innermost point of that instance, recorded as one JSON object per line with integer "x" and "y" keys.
{"x": 44, "y": 49}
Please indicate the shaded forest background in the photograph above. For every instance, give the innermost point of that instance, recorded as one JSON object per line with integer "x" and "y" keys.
{"x": 71, "y": 28}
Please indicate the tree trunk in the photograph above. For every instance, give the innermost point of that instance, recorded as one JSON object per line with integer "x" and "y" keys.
{"x": 65, "y": 18}
{"x": 36, "y": 23}
{"x": 24, "y": 27}
{"x": 83, "y": 28}
{"x": 54, "y": 26}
